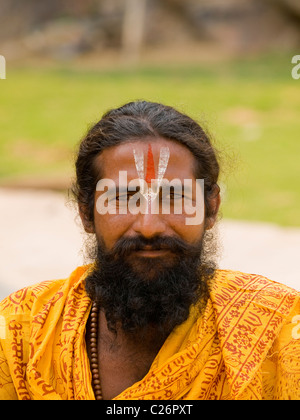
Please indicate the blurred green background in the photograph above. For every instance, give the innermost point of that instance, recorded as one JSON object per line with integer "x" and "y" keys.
{"x": 249, "y": 103}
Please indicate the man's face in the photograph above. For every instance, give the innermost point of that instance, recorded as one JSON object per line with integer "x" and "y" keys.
{"x": 148, "y": 263}
{"x": 111, "y": 227}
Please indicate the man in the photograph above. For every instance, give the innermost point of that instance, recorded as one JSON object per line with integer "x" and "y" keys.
{"x": 151, "y": 317}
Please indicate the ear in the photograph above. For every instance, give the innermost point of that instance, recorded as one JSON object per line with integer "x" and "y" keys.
{"x": 87, "y": 223}
{"x": 214, "y": 204}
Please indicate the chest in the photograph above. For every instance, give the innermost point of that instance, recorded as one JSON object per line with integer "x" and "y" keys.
{"x": 121, "y": 369}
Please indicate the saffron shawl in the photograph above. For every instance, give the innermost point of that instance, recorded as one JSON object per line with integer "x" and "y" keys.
{"x": 244, "y": 345}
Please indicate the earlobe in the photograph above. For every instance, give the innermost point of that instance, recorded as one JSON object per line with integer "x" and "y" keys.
{"x": 214, "y": 205}
{"x": 87, "y": 224}
{"x": 89, "y": 227}
{"x": 210, "y": 222}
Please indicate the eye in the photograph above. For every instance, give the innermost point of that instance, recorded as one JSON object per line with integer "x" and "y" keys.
{"x": 171, "y": 194}
{"x": 122, "y": 197}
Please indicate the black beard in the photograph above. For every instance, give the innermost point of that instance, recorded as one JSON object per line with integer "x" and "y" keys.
{"x": 137, "y": 292}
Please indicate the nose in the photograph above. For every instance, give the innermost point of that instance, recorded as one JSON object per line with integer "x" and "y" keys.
{"x": 149, "y": 225}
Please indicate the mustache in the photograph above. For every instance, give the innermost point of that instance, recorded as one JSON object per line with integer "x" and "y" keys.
{"x": 126, "y": 245}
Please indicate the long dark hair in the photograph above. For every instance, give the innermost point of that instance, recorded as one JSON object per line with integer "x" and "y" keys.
{"x": 141, "y": 119}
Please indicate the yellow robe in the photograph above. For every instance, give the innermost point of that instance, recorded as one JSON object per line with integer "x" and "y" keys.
{"x": 245, "y": 345}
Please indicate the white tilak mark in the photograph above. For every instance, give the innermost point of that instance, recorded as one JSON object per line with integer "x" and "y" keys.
{"x": 139, "y": 164}
{"x": 163, "y": 163}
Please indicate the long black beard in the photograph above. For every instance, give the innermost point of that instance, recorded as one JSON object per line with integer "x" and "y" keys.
{"x": 138, "y": 292}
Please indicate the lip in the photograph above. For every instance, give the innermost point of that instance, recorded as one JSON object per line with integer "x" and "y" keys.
{"x": 152, "y": 253}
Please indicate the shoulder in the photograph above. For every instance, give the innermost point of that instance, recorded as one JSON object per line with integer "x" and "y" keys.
{"x": 251, "y": 282}
{"x": 25, "y": 301}
{"x": 256, "y": 319}
{"x": 252, "y": 293}
{"x": 240, "y": 279}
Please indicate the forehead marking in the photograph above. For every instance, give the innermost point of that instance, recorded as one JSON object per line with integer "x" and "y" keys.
{"x": 150, "y": 174}
{"x": 139, "y": 162}
{"x": 164, "y": 156}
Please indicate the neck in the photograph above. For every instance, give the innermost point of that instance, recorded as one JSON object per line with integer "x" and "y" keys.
{"x": 123, "y": 358}
{"x": 147, "y": 339}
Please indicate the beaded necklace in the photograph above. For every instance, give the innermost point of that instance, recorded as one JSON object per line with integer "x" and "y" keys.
{"x": 94, "y": 352}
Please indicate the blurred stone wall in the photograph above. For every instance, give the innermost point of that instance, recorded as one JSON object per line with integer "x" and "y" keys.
{"x": 68, "y": 28}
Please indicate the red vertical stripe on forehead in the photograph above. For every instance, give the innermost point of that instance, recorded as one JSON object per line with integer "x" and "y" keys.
{"x": 150, "y": 174}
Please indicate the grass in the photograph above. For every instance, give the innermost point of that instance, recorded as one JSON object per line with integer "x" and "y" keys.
{"x": 251, "y": 107}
